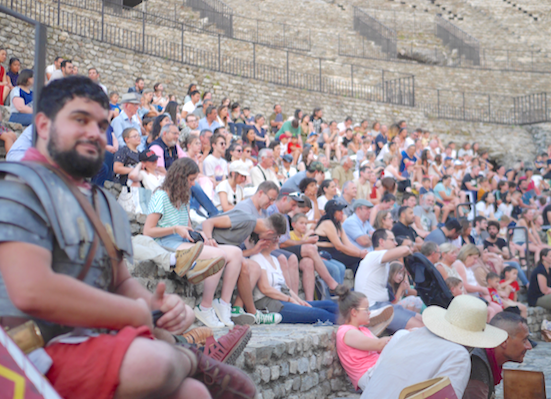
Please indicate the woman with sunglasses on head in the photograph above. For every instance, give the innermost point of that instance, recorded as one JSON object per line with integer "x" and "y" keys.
{"x": 334, "y": 240}
{"x": 229, "y": 192}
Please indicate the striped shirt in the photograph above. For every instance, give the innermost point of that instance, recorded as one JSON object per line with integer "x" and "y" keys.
{"x": 170, "y": 216}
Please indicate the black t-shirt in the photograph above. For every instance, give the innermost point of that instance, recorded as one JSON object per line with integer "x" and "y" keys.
{"x": 379, "y": 139}
{"x": 544, "y": 214}
{"x": 128, "y": 158}
{"x": 346, "y": 141}
{"x": 534, "y": 292}
{"x": 467, "y": 179}
{"x": 500, "y": 243}
{"x": 401, "y": 230}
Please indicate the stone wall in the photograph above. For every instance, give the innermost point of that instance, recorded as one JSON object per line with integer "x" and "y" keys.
{"x": 535, "y": 317}
{"x": 119, "y": 67}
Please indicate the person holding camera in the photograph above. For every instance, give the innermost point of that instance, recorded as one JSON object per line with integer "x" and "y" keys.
{"x": 169, "y": 224}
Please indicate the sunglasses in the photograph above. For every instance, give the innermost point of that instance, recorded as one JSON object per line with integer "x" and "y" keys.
{"x": 247, "y": 151}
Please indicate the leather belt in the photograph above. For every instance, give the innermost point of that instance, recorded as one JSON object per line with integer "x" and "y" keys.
{"x": 9, "y": 322}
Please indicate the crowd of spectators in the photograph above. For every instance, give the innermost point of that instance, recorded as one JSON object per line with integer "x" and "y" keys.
{"x": 284, "y": 201}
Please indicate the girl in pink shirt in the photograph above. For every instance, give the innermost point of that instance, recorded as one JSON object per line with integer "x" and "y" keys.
{"x": 357, "y": 347}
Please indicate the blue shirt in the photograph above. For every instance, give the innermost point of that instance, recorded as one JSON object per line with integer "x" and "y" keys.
{"x": 21, "y": 145}
{"x": 204, "y": 124}
{"x": 405, "y": 157}
{"x": 291, "y": 185}
{"x": 122, "y": 122}
{"x": 355, "y": 228}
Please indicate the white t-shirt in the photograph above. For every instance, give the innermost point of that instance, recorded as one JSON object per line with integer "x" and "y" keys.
{"x": 217, "y": 167}
{"x": 372, "y": 277}
{"x": 275, "y": 276}
{"x": 506, "y": 209}
{"x": 225, "y": 187}
{"x": 50, "y": 69}
{"x": 322, "y": 201}
{"x": 151, "y": 181}
{"x": 189, "y": 107}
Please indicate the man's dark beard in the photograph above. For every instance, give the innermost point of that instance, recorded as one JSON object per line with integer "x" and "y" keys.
{"x": 493, "y": 236}
{"x": 71, "y": 161}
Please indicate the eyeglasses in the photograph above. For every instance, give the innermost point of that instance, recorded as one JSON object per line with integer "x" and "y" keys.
{"x": 134, "y": 137}
{"x": 222, "y": 143}
{"x": 238, "y": 150}
{"x": 247, "y": 151}
{"x": 362, "y": 309}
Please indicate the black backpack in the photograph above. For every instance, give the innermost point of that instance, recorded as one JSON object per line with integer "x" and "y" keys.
{"x": 428, "y": 281}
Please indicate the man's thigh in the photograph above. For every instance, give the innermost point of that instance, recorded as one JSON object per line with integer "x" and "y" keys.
{"x": 92, "y": 369}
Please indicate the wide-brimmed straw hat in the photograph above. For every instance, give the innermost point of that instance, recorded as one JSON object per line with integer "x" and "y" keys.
{"x": 464, "y": 322}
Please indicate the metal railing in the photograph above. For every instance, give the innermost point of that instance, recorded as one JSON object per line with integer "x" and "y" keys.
{"x": 375, "y": 31}
{"x": 456, "y": 38}
{"x": 483, "y": 107}
{"x": 397, "y": 90}
{"x": 216, "y": 11}
{"x": 271, "y": 34}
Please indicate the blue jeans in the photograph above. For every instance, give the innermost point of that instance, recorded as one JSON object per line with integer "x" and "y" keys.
{"x": 320, "y": 310}
{"x": 200, "y": 199}
{"x": 336, "y": 269}
{"x": 24, "y": 119}
{"x": 521, "y": 274}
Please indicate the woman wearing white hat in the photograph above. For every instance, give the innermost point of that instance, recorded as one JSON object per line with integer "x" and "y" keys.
{"x": 229, "y": 192}
{"x": 441, "y": 348}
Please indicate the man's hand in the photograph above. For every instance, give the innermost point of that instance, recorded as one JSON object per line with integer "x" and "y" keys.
{"x": 260, "y": 245}
{"x": 311, "y": 240}
{"x": 172, "y": 306}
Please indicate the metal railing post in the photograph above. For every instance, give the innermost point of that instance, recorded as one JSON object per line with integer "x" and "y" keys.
{"x": 383, "y": 84}
{"x": 438, "y": 102}
{"x": 413, "y": 86}
{"x": 183, "y": 46}
{"x": 102, "y": 18}
{"x": 352, "y": 79}
{"x": 219, "y": 55}
{"x": 321, "y": 82}
{"x": 58, "y": 12}
{"x": 489, "y": 108}
{"x": 287, "y": 67}
{"x": 463, "y": 105}
{"x": 254, "y": 61}
{"x": 143, "y": 32}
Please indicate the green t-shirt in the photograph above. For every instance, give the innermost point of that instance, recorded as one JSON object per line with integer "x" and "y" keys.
{"x": 287, "y": 127}
{"x": 170, "y": 216}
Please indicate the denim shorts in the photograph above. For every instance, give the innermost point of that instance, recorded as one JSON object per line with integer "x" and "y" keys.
{"x": 172, "y": 241}
{"x": 401, "y": 315}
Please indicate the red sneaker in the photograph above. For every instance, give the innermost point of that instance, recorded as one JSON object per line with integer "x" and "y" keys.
{"x": 229, "y": 347}
{"x": 222, "y": 380}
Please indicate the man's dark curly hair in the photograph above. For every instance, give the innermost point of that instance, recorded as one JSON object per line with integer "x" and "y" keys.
{"x": 59, "y": 92}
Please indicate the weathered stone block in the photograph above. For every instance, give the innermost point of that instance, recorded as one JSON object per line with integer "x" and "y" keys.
{"x": 274, "y": 371}
{"x": 302, "y": 365}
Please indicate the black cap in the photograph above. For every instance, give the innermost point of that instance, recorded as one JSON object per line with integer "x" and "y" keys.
{"x": 333, "y": 206}
{"x": 148, "y": 155}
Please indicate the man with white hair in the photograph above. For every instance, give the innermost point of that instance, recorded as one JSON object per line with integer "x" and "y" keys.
{"x": 166, "y": 146}
{"x": 440, "y": 349}
{"x": 264, "y": 170}
{"x": 130, "y": 103}
{"x": 348, "y": 196}
{"x": 343, "y": 172}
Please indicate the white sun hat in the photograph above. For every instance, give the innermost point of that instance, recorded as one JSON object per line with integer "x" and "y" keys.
{"x": 239, "y": 167}
{"x": 464, "y": 322}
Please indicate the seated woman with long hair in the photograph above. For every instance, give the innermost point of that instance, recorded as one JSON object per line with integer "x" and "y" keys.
{"x": 358, "y": 348}
{"x": 169, "y": 224}
{"x": 326, "y": 192}
{"x": 272, "y": 290}
{"x": 334, "y": 240}
{"x": 383, "y": 220}
{"x": 466, "y": 259}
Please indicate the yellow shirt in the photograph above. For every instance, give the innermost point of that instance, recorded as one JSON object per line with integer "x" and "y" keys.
{"x": 295, "y": 236}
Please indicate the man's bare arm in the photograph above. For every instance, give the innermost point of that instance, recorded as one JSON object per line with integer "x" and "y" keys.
{"x": 35, "y": 289}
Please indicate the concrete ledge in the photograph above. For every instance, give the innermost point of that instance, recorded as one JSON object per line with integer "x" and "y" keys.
{"x": 293, "y": 361}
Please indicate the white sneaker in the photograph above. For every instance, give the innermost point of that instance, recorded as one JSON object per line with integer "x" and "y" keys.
{"x": 207, "y": 317}
{"x": 223, "y": 312}
{"x": 196, "y": 218}
{"x": 267, "y": 318}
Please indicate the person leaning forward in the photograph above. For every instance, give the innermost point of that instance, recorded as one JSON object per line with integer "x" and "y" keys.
{"x": 53, "y": 241}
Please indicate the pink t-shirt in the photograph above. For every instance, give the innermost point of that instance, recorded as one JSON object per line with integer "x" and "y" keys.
{"x": 355, "y": 361}
{"x": 161, "y": 154}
